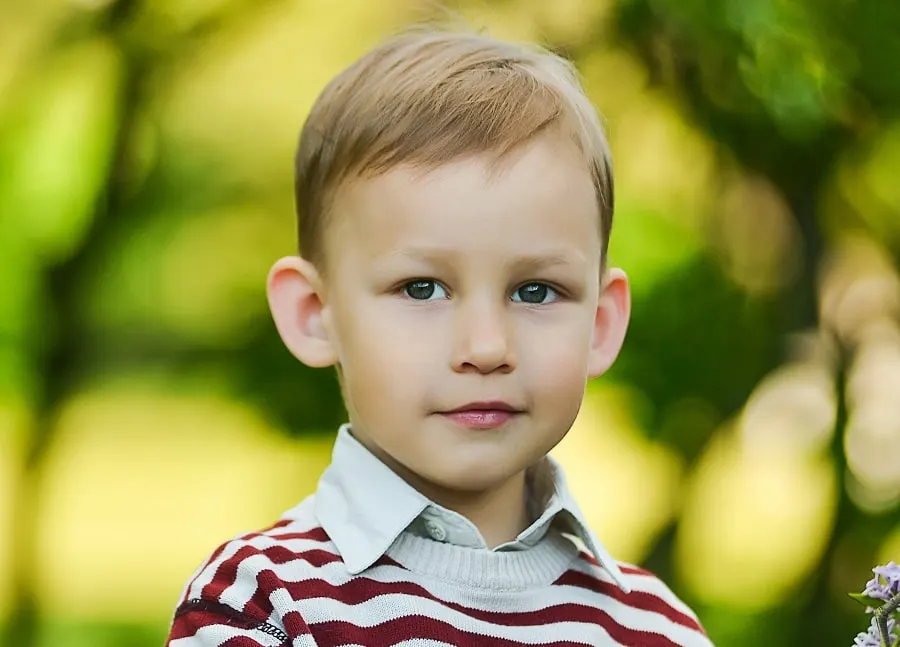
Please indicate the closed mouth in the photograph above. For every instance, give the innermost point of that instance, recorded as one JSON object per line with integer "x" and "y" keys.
{"x": 491, "y": 405}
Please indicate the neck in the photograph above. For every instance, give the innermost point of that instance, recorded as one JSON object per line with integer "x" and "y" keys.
{"x": 500, "y": 513}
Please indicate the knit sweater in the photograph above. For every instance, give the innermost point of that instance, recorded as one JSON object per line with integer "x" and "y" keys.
{"x": 369, "y": 561}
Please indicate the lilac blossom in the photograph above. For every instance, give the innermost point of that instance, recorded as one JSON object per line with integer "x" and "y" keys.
{"x": 872, "y": 637}
{"x": 885, "y": 584}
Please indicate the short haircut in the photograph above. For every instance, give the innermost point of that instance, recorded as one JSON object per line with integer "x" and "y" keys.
{"x": 427, "y": 97}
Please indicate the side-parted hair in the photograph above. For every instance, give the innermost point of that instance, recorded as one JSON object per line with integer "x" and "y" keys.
{"x": 427, "y": 97}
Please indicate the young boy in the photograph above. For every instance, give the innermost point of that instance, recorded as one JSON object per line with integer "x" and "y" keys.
{"x": 455, "y": 201}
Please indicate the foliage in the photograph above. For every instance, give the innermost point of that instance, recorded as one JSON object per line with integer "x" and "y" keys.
{"x": 132, "y": 245}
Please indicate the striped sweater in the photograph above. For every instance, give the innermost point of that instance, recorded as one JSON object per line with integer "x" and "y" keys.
{"x": 321, "y": 577}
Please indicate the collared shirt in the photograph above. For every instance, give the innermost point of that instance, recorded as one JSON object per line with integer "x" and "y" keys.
{"x": 350, "y": 566}
{"x": 364, "y": 506}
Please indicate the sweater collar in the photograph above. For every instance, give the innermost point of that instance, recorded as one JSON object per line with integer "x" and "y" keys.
{"x": 364, "y": 506}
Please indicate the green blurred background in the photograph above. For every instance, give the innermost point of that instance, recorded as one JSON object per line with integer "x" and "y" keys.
{"x": 746, "y": 447}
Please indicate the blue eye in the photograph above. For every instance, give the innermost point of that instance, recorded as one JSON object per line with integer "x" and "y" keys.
{"x": 535, "y": 293}
{"x": 424, "y": 290}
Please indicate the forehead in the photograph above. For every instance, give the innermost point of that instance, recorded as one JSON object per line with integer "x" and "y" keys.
{"x": 541, "y": 195}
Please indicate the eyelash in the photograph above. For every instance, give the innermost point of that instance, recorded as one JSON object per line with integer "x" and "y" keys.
{"x": 559, "y": 292}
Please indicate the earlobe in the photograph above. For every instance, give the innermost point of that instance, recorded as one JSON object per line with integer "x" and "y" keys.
{"x": 610, "y": 322}
{"x": 295, "y": 293}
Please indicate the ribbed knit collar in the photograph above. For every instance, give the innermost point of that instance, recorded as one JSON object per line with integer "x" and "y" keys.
{"x": 364, "y": 506}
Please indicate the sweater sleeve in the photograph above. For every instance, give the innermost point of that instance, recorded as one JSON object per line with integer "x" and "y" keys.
{"x": 236, "y": 599}
{"x": 205, "y": 623}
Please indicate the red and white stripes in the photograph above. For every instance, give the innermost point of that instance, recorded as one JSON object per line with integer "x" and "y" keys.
{"x": 289, "y": 586}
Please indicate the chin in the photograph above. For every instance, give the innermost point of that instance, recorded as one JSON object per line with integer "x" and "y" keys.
{"x": 474, "y": 478}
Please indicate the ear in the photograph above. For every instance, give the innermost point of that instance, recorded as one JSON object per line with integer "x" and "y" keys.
{"x": 296, "y": 299}
{"x": 610, "y": 322}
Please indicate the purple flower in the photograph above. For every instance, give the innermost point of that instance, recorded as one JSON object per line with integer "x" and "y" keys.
{"x": 886, "y": 582}
{"x": 872, "y": 638}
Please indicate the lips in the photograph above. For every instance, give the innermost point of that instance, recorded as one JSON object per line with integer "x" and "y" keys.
{"x": 482, "y": 415}
{"x": 491, "y": 405}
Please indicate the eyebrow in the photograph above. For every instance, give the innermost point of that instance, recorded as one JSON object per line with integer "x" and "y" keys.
{"x": 524, "y": 262}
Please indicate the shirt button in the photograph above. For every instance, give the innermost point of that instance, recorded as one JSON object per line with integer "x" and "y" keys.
{"x": 436, "y": 531}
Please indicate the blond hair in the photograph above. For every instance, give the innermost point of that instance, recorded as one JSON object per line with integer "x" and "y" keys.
{"x": 427, "y": 97}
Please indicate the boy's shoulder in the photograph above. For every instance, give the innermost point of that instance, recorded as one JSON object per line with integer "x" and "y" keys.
{"x": 242, "y": 583}
{"x": 645, "y": 590}
{"x": 645, "y": 601}
{"x": 295, "y": 542}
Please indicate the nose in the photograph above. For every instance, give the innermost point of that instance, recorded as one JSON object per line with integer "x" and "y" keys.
{"x": 483, "y": 339}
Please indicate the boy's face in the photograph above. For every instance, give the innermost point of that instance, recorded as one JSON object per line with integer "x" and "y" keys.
{"x": 466, "y": 312}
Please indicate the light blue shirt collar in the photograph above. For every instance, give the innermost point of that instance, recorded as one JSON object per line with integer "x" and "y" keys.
{"x": 364, "y": 506}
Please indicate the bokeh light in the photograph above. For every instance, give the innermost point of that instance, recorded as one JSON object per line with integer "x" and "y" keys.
{"x": 755, "y": 522}
{"x": 627, "y": 486}
{"x": 138, "y": 483}
{"x": 13, "y": 427}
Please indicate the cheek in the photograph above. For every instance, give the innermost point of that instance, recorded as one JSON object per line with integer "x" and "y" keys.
{"x": 380, "y": 349}
{"x": 563, "y": 372}
{"x": 563, "y": 342}
{"x": 557, "y": 363}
